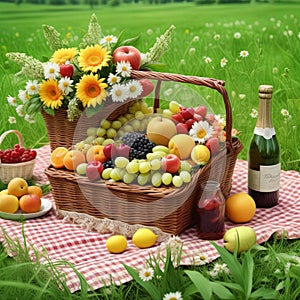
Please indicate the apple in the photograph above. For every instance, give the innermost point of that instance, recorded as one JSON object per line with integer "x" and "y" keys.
{"x": 160, "y": 130}
{"x": 128, "y": 54}
{"x": 147, "y": 85}
{"x": 123, "y": 150}
{"x": 181, "y": 145}
{"x": 170, "y": 163}
{"x": 240, "y": 237}
{"x": 178, "y": 118}
{"x": 190, "y": 123}
{"x": 110, "y": 151}
{"x": 94, "y": 170}
{"x": 187, "y": 113}
{"x": 30, "y": 203}
{"x": 66, "y": 70}
{"x": 201, "y": 110}
{"x": 96, "y": 152}
{"x": 182, "y": 128}
{"x": 17, "y": 187}
{"x": 213, "y": 145}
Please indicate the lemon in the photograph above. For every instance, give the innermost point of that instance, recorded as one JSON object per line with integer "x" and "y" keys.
{"x": 9, "y": 203}
{"x": 116, "y": 244}
{"x": 144, "y": 238}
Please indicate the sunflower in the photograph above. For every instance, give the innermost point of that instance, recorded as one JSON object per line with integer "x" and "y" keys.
{"x": 50, "y": 93}
{"x": 63, "y": 55}
{"x": 93, "y": 58}
{"x": 91, "y": 90}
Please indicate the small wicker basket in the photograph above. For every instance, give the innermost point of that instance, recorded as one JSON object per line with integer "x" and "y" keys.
{"x": 22, "y": 169}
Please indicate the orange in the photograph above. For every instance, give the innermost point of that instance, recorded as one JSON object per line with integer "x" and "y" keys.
{"x": 72, "y": 159}
{"x": 240, "y": 208}
{"x": 57, "y": 156}
{"x": 34, "y": 189}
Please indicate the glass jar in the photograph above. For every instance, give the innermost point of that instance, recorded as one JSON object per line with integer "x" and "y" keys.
{"x": 211, "y": 212}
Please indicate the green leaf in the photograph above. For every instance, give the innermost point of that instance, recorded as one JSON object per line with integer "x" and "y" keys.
{"x": 233, "y": 286}
{"x": 295, "y": 272}
{"x": 90, "y": 111}
{"x": 202, "y": 284}
{"x": 48, "y": 110}
{"x": 130, "y": 41}
{"x": 154, "y": 66}
{"x": 221, "y": 291}
{"x": 264, "y": 293}
{"x": 247, "y": 269}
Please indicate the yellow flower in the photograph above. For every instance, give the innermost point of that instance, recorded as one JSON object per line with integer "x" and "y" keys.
{"x": 62, "y": 55}
{"x": 91, "y": 90}
{"x": 93, "y": 58}
{"x": 50, "y": 93}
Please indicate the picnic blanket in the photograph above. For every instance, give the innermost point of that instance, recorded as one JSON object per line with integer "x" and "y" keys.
{"x": 86, "y": 250}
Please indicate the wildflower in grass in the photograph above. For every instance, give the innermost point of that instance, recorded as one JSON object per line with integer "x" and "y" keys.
{"x": 146, "y": 274}
{"x": 201, "y": 131}
{"x": 12, "y": 101}
{"x": 23, "y": 96}
{"x": 233, "y": 94}
{"x": 91, "y": 90}
{"x": 32, "y": 87}
{"x": 254, "y": 113}
{"x": 109, "y": 39}
{"x": 298, "y": 35}
{"x": 219, "y": 269}
{"x": 51, "y": 70}
{"x": 113, "y": 79}
{"x": 192, "y": 51}
{"x": 12, "y": 120}
{"x": 20, "y": 111}
{"x": 271, "y": 36}
{"x": 149, "y": 31}
{"x": 50, "y": 93}
{"x": 223, "y": 62}
{"x": 134, "y": 88}
{"x": 275, "y": 70}
{"x": 17, "y": 34}
{"x": 244, "y": 53}
{"x": 63, "y": 55}
{"x": 65, "y": 84}
{"x": 173, "y": 296}
{"x": 118, "y": 93}
{"x": 242, "y": 96}
{"x": 93, "y": 58}
{"x": 286, "y": 115}
{"x": 217, "y": 37}
{"x": 237, "y": 35}
{"x": 124, "y": 69}
{"x": 182, "y": 62}
{"x": 207, "y": 59}
{"x": 29, "y": 119}
{"x": 187, "y": 31}
{"x": 68, "y": 35}
{"x": 196, "y": 38}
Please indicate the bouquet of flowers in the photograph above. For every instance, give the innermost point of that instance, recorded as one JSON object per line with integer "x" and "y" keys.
{"x": 84, "y": 77}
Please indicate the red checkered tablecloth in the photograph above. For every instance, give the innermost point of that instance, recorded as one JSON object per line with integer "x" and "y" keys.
{"x": 87, "y": 252}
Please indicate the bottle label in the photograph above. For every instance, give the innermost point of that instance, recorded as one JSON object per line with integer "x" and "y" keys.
{"x": 267, "y": 133}
{"x": 267, "y": 179}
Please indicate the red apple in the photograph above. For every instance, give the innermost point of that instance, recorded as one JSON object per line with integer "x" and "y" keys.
{"x": 30, "y": 203}
{"x": 129, "y": 54}
{"x": 123, "y": 150}
{"x": 201, "y": 110}
{"x": 66, "y": 70}
{"x": 110, "y": 151}
{"x": 190, "y": 123}
{"x": 213, "y": 145}
{"x": 170, "y": 163}
{"x": 148, "y": 87}
{"x": 182, "y": 128}
{"x": 187, "y": 113}
{"x": 178, "y": 118}
{"x": 94, "y": 170}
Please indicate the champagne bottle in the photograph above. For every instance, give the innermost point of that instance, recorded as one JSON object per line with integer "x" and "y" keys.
{"x": 264, "y": 155}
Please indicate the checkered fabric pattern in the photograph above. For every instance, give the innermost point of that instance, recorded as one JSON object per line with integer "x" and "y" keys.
{"x": 87, "y": 250}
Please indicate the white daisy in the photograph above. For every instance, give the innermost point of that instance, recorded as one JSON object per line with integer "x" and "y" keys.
{"x": 65, "y": 84}
{"x": 201, "y": 131}
{"x": 207, "y": 59}
{"x": 192, "y": 51}
{"x": 29, "y": 119}
{"x": 173, "y": 296}
{"x": 285, "y": 112}
{"x": 134, "y": 88}
{"x": 244, "y": 53}
{"x": 242, "y": 96}
{"x": 124, "y": 68}
{"x": 12, "y": 120}
{"x": 196, "y": 38}
{"x": 23, "y": 95}
{"x": 118, "y": 93}
{"x": 254, "y": 113}
{"x": 217, "y": 37}
{"x": 112, "y": 79}
{"x": 20, "y": 111}
{"x": 32, "y": 87}
{"x": 109, "y": 39}
{"x": 51, "y": 70}
{"x": 223, "y": 62}
{"x": 237, "y": 35}
{"x": 149, "y": 31}
{"x": 12, "y": 100}
{"x": 146, "y": 274}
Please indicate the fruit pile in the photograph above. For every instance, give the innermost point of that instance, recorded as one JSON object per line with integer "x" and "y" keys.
{"x": 145, "y": 148}
{"x": 17, "y": 155}
{"x": 19, "y": 195}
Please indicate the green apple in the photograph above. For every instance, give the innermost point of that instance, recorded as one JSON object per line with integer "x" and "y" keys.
{"x": 240, "y": 237}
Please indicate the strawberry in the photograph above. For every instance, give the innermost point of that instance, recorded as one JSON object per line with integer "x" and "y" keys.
{"x": 213, "y": 145}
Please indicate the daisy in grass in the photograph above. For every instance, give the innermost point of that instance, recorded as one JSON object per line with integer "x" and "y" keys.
{"x": 32, "y": 87}
{"x": 173, "y": 296}
{"x": 201, "y": 131}
{"x": 23, "y": 96}
{"x": 207, "y": 59}
{"x": 51, "y": 70}
{"x": 20, "y": 110}
{"x": 254, "y": 113}
{"x": 63, "y": 55}
{"x": 146, "y": 274}
{"x": 29, "y": 119}
{"x": 218, "y": 270}
{"x": 12, "y": 101}
{"x": 244, "y": 53}
{"x": 223, "y": 62}
{"x": 12, "y": 120}
{"x": 50, "y": 93}
{"x": 109, "y": 39}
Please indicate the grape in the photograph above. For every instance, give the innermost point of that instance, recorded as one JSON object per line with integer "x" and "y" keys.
{"x": 136, "y": 124}
{"x": 177, "y": 181}
{"x": 108, "y": 164}
{"x": 139, "y": 115}
{"x": 174, "y": 107}
{"x": 166, "y": 178}
{"x": 128, "y": 178}
{"x": 185, "y": 165}
{"x": 155, "y": 164}
{"x": 92, "y": 131}
{"x": 111, "y": 133}
{"x": 185, "y": 176}
{"x": 108, "y": 141}
{"x": 121, "y": 162}
{"x": 129, "y": 116}
{"x": 81, "y": 169}
{"x": 156, "y": 179}
{"x": 101, "y": 132}
{"x": 99, "y": 140}
{"x": 106, "y": 173}
{"x": 116, "y": 174}
{"x": 144, "y": 167}
{"x": 105, "y": 124}
{"x": 122, "y": 119}
{"x": 128, "y": 128}
{"x": 167, "y": 113}
{"x": 116, "y": 124}
{"x": 132, "y": 167}
{"x": 143, "y": 179}
{"x": 144, "y": 107}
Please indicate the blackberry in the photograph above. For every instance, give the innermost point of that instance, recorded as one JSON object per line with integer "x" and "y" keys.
{"x": 108, "y": 164}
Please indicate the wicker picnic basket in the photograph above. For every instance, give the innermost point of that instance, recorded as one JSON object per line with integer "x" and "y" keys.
{"x": 22, "y": 169}
{"x": 170, "y": 209}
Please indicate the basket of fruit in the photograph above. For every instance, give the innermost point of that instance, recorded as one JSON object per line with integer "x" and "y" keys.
{"x": 151, "y": 173}
{"x": 16, "y": 162}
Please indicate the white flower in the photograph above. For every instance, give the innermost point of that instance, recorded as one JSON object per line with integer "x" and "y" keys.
{"x": 223, "y": 62}
{"x": 134, "y": 88}
{"x": 242, "y": 96}
{"x": 24, "y": 97}
{"x": 146, "y": 274}
{"x": 221, "y": 268}
{"x": 196, "y": 38}
{"x": 173, "y": 296}
{"x": 32, "y": 87}
{"x": 112, "y": 79}
{"x": 207, "y": 59}
{"x": 237, "y": 35}
{"x": 109, "y": 39}
{"x": 118, "y": 93}
{"x": 149, "y": 31}
{"x": 65, "y": 84}
{"x": 254, "y": 113}
{"x": 284, "y": 112}
{"x": 12, "y": 100}
{"x": 275, "y": 70}
{"x": 217, "y": 37}
{"x": 182, "y": 62}
{"x": 12, "y": 120}
{"x": 29, "y": 119}
{"x": 192, "y": 51}
{"x": 124, "y": 68}
{"x": 220, "y": 120}
{"x": 20, "y": 111}
{"x": 244, "y": 53}
{"x": 201, "y": 131}
{"x": 51, "y": 70}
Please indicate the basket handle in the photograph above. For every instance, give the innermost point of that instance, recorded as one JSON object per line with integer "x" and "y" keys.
{"x": 212, "y": 83}
{"x": 16, "y": 132}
